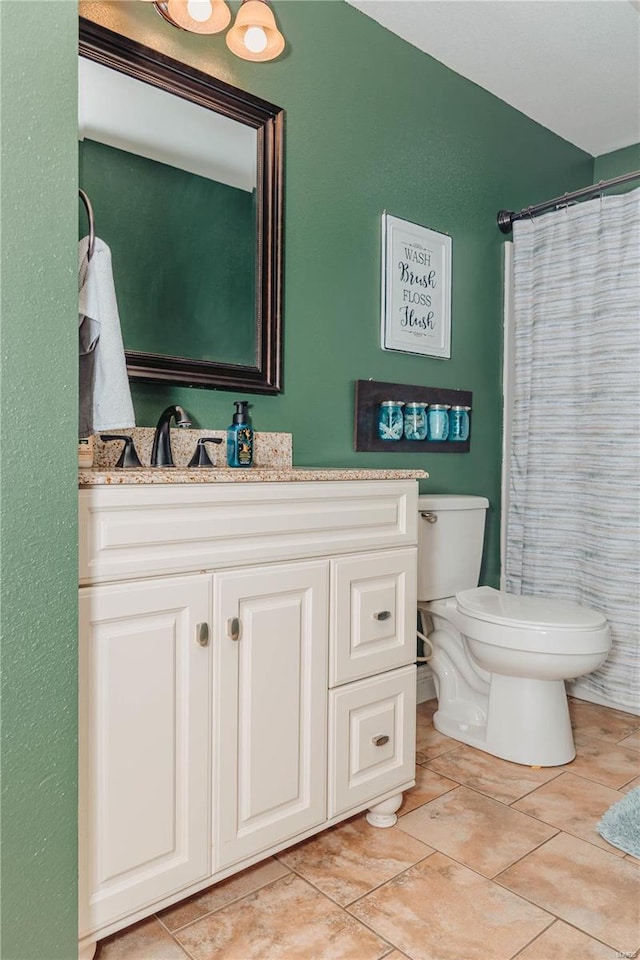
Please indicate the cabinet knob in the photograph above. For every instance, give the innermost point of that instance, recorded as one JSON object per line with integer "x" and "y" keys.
{"x": 233, "y": 628}
{"x": 382, "y": 615}
{"x": 428, "y": 516}
{"x": 380, "y": 741}
{"x": 202, "y": 634}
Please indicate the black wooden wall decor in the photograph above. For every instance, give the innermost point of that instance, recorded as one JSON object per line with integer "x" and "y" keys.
{"x": 369, "y": 394}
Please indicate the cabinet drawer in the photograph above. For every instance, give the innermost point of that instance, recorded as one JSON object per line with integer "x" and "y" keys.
{"x": 141, "y": 531}
{"x": 363, "y": 763}
{"x": 373, "y": 625}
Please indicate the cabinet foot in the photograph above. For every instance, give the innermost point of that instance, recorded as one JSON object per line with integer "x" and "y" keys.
{"x": 87, "y": 952}
{"x": 384, "y": 814}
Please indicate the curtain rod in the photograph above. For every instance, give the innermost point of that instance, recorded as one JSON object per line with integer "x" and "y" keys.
{"x": 507, "y": 217}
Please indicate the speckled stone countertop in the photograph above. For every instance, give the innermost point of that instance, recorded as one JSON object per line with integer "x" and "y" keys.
{"x": 175, "y": 475}
{"x": 273, "y": 462}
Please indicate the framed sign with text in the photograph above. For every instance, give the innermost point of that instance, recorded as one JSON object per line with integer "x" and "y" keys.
{"x": 416, "y": 289}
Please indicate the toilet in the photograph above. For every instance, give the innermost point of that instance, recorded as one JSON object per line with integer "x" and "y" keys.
{"x": 499, "y": 661}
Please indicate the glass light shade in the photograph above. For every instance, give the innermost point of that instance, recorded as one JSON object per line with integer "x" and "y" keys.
{"x": 254, "y": 22}
{"x": 197, "y": 16}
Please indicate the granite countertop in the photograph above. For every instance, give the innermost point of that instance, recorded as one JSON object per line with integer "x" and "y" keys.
{"x": 174, "y": 475}
{"x": 273, "y": 462}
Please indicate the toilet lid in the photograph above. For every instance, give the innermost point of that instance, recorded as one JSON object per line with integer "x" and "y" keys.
{"x": 494, "y": 606}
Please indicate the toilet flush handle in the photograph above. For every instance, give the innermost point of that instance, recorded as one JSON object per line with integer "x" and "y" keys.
{"x": 428, "y": 516}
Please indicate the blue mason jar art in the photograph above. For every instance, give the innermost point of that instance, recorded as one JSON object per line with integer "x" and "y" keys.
{"x": 459, "y": 423}
{"x": 418, "y": 420}
{"x": 438, "y": 421}
{"x": 415, "y": 421}
{"x": 390, "y": 421}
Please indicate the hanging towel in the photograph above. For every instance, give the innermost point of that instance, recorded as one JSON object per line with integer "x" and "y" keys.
{"x": 105, "y": 396}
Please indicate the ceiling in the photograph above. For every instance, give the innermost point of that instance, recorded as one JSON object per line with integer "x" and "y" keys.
{"x": 142, "y": 119}
{"x": 571, "y": 65}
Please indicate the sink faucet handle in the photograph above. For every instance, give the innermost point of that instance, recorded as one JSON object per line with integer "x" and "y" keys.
{"x": 200, "y": 457}
{"x": 129, "y": 456}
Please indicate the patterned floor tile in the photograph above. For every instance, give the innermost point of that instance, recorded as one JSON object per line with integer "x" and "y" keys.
{"x": 632, "y": 742}
{"x": 144, "y": 941}
{"x": 562, "y": 942}
{"x": 630, "y": 785}
{"x": 430, "y": 743}
{"x": 440, "y": 910}
{"x": 475, "y": 830}
{"x": 606, "y": 763}
{"x": 427, "y": 708}
{"x": 572, "y": 804}
{"x": 351, "y": 859}
{"x": 496, "y": 778}
{"x": 429, "y": 785}
{"x": 288, "y": 920}
{"x": 583, "y": 885}
{"x": 601, "y": 723}
{"x": 213, "y": 898}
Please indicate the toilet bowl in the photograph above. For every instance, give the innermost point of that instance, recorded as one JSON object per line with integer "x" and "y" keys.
{"x": 499, "y": 661}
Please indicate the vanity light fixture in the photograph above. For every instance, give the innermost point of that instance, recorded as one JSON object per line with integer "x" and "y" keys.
{"x": 196, "y": 16}
{"x": 254, "y": 35}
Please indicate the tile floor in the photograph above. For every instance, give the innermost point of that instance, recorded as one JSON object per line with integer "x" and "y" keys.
{"x": 489, "y": 861}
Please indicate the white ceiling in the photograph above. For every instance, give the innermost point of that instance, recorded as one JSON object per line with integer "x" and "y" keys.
{"x": 571, "y": 65}
{"x": 118, "y": 110}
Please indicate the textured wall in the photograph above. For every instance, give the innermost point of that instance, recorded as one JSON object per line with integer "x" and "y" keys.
{"x": 38, "y": 479}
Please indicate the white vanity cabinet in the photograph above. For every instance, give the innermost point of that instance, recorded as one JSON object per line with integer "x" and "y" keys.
{"x": 145, "y": 756}
{"x": 270, "y": 629}
{"x": 247, "y": 677}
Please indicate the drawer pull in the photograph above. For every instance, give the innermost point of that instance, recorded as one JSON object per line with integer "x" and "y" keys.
{"x": 380, "y": 741}
{"x": 202, "y": 634}
{"x": 382, "y": 615}
{"x": 233, "y": 628}
{"x": 428, "y": 516}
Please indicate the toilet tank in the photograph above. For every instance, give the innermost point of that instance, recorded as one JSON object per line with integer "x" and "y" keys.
{"x": 449, "y": 549}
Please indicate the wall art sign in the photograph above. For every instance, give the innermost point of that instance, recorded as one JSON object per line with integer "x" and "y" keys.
{"x": 416, "y": 289}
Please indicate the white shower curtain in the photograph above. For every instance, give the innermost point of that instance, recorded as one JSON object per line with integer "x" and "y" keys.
{"x": 573, "y": 527}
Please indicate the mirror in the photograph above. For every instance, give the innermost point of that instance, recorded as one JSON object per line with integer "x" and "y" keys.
{"x": 184, "y": 173}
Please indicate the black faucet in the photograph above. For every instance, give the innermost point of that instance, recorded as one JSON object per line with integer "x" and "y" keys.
{"x": 161, "y": 452}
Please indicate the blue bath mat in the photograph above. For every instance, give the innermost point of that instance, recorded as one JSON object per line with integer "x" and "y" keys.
{"x": 620, "y": 825}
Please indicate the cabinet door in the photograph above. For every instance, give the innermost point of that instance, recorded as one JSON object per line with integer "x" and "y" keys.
{"x": 373, "y": 624}
{"x": 144, "y": 744}
{"x": 271, "y": 678}
{"x": 372, "y": 737}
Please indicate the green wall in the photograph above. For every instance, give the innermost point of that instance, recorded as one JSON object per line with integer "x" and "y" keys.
{"x": 182, "y": 249}
{"x": 38, "y": 476}
{"x": 372, "y": 124}
{"x": 617, "y": 163}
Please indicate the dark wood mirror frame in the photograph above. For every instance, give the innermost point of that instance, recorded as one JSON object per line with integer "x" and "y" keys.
{"x": 141, "y": 62}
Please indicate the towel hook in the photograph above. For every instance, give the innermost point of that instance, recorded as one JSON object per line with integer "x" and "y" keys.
{"x": 92, "y": 223}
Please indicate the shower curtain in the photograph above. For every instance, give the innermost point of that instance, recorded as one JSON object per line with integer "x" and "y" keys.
{"x": 573, "y": 526}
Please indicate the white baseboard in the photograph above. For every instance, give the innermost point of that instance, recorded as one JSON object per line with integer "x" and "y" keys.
{"x": 426, "y": 688}
{"x": 580, "y": 692}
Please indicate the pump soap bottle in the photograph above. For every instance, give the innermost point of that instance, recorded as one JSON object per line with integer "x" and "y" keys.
{"x": 240, "y": 437}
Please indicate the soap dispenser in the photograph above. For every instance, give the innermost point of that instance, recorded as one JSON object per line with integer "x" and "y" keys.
{"x": 240, "y": 437}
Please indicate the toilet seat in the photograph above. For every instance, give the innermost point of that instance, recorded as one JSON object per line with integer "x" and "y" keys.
{"x": 532, "y": 624}
{"x": 495, "y": 606}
